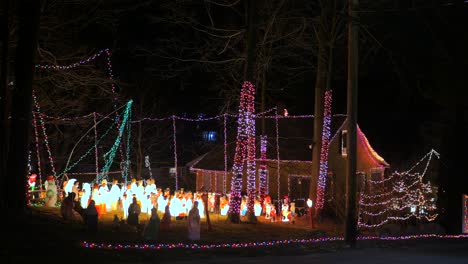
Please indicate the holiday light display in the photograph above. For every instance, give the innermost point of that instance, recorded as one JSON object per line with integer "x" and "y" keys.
{"x": 109, "y": 156}
{"x": 257, "y": 244}
{"x": 36, "y": 133}
{"x": 323, "y": 169}
{"x": 225, "y": 154}
{"x": 95, "y": 145}
{"x": 263, "y": 170}
{"x": 245, "y": 151}
{"x": 46, "y": 139}
{"x": 277, "y": 157}
{"x": 174, "y": 137}
{"x": 68, "y": 168}
{"x": 398, "y": 198}
{"x": 465, "y": 214}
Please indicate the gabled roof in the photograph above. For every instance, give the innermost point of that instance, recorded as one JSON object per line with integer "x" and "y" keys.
{"x": 295, "y": 137}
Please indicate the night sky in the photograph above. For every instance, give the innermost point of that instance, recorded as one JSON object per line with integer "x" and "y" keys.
{"x": 410, "y": 55}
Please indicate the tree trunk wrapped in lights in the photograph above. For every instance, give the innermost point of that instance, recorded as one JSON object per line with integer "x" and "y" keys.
{"x": 245, "y": 152}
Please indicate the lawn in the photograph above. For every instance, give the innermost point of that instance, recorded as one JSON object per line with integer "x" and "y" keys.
{"x": 222, "y": 231}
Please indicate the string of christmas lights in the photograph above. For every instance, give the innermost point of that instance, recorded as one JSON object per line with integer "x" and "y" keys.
{"x": 73, "y": 65}
{"x": 277, "y": 157}
{"x": 119, "y": 246}
{"x": 127, "y": 161}
{"x": 402, "y": 192}
{"x": 323, "y": 169}
{"x": 67, "y": 169}
{"x": 36, "y": 133}
{"x": 95, "y": 145}
{"x": 175, "y": 151}
{"x": 225, "y": 154}
{"x": 109, "y": 156}
{"x": 263, "y": 170}
{"x": 46, "y": 138}
{"x": 245, "y": 149}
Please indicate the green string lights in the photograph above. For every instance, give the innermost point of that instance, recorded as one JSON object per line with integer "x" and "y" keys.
{"x": 109, "y": 156}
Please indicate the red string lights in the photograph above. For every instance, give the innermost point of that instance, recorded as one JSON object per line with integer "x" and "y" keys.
{"x": 323, "y": 170}
{"x": 245, "y": 151}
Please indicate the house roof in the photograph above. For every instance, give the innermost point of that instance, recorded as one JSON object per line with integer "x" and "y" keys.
{"x": 295, "y": 137}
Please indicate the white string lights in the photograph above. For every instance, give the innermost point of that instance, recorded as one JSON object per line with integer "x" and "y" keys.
{"x": 245, "y": 151}
{"x": 400, "y": 197}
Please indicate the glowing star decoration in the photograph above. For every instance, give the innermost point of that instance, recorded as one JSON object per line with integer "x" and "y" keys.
{"x": 245, "y": 151}
{"x": 323, "y": 169}
{"x": 263, "y": 170}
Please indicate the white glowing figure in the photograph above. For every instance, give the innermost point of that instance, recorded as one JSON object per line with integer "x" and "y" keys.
{"x": 85, "y": 195}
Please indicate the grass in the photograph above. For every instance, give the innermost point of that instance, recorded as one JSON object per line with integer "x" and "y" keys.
{"x": 222, "y": 231}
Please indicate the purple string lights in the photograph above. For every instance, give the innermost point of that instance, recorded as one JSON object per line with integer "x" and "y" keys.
{"x": 323, "y": 170}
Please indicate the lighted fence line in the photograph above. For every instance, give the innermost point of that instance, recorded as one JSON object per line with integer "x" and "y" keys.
{"x": 119, "y": 246}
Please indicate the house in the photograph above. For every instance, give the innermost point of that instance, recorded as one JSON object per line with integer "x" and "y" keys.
{"x": 295, "y": 165}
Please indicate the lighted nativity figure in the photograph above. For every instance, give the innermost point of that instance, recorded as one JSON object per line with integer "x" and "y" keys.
{"x": 211, "y": 202}
{"x": 267, "y": 206}
{"x": 51, "y": 191}
{"x": 85, "y": 195}
{"x": 114, "y": 195}
{"x": 285, "y": 211}
{"x": 194, "y": 223}
{"x": 103, "y": 196}
{"x": 257, "y": 208}
{"x": 76, "y": 190}
{"x": 68, "y": 186}
{"x": 140, "y": 192}
{"x": 161, "y": 201}
{"x": 273, "y": 213}
{"x": 224, "y": 204}
{"x": 150, "y": 187}
{"x": 201, "y": 205}
{"x": 243, "y": 207}
{"x": 125, "y": 204}
{"x": 292, "y": 212}
{"x": 188, "y": 202}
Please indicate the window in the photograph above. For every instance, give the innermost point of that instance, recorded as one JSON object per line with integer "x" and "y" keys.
{"x": 209, "y": 136}
{"x": 377, "y": 174}
{"x": 344, "y": 143}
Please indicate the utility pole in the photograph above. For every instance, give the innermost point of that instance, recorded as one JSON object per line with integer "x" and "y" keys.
{"x": 351, "y": 207}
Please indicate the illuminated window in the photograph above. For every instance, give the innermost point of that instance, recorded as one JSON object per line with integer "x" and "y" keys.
{"x": 344, "y": 143}
{"x": 209, "y": 136}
